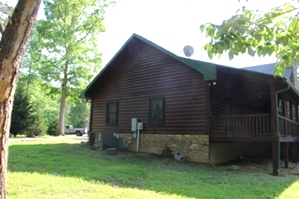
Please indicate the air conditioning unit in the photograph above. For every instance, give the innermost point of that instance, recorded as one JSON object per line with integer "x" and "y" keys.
{"x": 106, "y": 140}
{"x": 110, "y": 140}
{"x": 121, "y": 143}
{"x": 95, "y": 140}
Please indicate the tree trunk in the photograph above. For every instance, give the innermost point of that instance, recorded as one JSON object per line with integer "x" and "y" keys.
{"x": 63, "y": 98}
{"x": 12, "y": 48}
{"x": 62, "y": 109}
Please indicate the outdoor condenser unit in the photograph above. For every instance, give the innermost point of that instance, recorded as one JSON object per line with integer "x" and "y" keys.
{"x": 109, "y": 140}
{"x": 98, "y": 140}
{"x": 121, "y": 143}
{"x": 95, "y": 139}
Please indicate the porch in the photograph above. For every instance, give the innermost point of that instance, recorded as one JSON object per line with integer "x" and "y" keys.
{"x": 252, "y": 128}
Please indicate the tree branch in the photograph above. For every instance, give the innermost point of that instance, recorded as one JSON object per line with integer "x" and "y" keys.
{"x": 87, "y": 33}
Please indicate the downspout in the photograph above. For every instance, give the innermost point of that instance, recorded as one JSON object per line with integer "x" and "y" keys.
{"x": 277, "y": 122}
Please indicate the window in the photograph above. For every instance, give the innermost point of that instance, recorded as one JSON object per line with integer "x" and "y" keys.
{"x": 156, "y": 110}
{"x": 111, "y": 113}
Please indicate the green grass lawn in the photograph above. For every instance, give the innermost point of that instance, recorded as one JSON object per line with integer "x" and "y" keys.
{"x": 60, "y": 169}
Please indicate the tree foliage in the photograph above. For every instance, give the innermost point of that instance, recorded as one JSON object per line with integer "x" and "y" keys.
{"x": 5, "y": 12}
{"x": 78, "y": 114}
{"x": 258, "y": 33}
{"x": 65, "y": 43}
{"x": 64, "y": 47}
{"x": 22, "y": 114}
{"x": 45, "y": 107}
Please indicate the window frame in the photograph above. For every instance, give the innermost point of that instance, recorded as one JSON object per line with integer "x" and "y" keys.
{"x": 150, "y": 110}
{"x": 115, "y": 114}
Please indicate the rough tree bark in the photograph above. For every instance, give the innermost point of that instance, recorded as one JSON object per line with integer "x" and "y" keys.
{"x": 12, "y": 48}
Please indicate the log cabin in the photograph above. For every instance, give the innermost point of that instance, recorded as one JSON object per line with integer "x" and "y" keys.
{"x": 208, "y": 112}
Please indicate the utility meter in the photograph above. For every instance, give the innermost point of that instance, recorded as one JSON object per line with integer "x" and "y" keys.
{"x": 139, "y": 125}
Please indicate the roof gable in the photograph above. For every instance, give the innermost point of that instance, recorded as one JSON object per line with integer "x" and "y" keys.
{"x": 207, "y": 69}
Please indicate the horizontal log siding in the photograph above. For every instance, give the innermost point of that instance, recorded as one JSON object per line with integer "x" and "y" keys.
{"x": 242, "y": 94}
{"x": 225, "y": 93}
{"x": 141, "y": 73}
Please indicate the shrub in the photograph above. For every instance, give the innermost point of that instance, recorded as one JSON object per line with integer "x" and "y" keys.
{"x": 22, "y": 114}
{"x": 53, "y": 128}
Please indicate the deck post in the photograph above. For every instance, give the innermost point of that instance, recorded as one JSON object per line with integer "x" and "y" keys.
{"x": 293, "y": 150}
{"x": 274, "y": 106}
{"x": 286, "y": 155}
{"x": 275, "y": 159}
{"x": 274, "y": 129}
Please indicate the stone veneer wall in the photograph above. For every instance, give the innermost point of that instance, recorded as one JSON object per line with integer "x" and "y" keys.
{"x": 194, "y": 147}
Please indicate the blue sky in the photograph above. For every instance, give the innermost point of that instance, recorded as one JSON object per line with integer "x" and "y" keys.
{"x": 173, "y": 24}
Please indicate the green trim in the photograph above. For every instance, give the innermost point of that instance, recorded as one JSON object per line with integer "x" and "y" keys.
{"x": 277, "y": 126}
{"x": 207, "y": 69}
{"x": 293, "y": 88}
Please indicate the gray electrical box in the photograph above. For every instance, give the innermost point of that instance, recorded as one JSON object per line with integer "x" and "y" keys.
{"x": 134, "y": 122}
{"x": 140, "y": 126}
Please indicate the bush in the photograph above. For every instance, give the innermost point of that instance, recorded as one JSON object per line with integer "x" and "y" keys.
{"x": 22, "y": 114}
{"x": 37, "y": 127}
{"x": 53, "y": 128}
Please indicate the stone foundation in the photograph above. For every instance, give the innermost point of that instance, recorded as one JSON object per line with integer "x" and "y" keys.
{"x": 194, "y": 147}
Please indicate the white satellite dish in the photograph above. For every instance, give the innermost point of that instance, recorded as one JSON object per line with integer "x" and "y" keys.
{"x": 188, "y": 51}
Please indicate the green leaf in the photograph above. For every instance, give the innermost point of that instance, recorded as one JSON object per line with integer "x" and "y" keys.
{"x": 210, "y": 54}
{"x": 250, "y": 51}
{"x": 202, "y": 28}
{"x": 256, "y": 33}
{"x": 259, "y": 52}
{"x": 285, "y": 40}
{"x": 230, "y": 55}
{"x": 243, "y": 49}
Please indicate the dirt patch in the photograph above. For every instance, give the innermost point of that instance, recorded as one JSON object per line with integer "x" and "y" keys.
{"x": 262, "y": 165}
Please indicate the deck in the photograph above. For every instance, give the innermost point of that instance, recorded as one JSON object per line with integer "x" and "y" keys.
{"x": 252, "y": 128}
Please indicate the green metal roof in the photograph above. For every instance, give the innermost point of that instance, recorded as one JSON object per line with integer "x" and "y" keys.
{"x": 205, "y": 68}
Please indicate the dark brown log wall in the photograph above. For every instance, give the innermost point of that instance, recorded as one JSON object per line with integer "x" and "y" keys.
{"x": 239, "y": 93}
{"x": 141, "y": 72}
{"x": 225, "y": 95}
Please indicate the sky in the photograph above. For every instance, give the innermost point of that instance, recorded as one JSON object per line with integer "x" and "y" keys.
{"x": 173, "y": 24}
